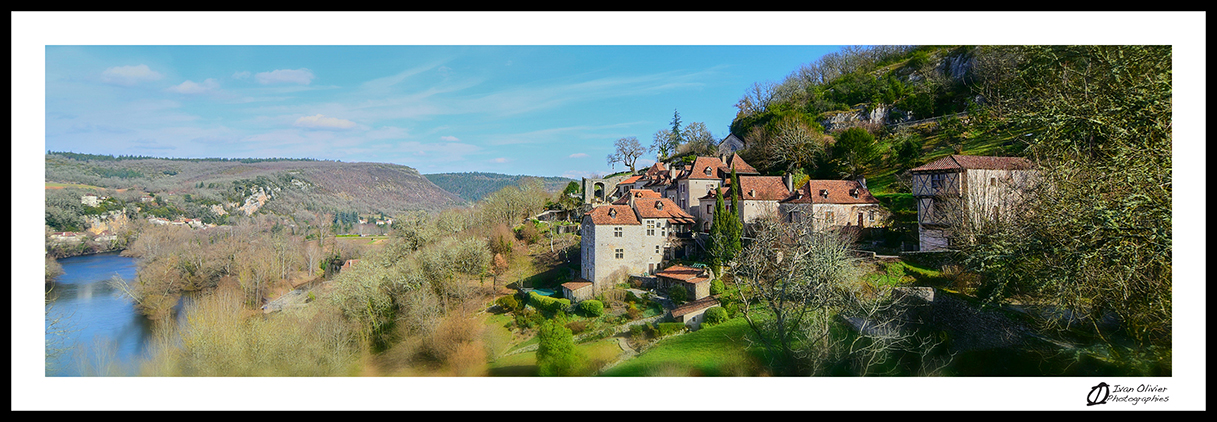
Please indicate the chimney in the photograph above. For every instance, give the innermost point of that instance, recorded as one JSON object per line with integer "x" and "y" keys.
{"x": 789, "y": 180}
{"x": 862, "y": 181}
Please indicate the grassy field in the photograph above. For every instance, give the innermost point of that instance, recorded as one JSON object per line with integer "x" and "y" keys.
{"x": 712, "y": 351}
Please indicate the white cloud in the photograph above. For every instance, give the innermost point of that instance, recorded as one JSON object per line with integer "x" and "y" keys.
{"x": 129, "y": 75}
{"x": 500, "y": 160}
{"x": 578, "y": 174}
{"x": 241, "y": 75}
{"x": 577, "y": 155}
{"x": 297, "y": 76}
{"x": 190, "y": 87}
{"x": 449, "y": 139}
{"x": 322, "y": 122}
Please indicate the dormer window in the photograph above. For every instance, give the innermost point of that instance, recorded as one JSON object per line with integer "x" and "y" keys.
{"x": 658, "y": 205}
{"x": 853, "y": 193}
{"x": 824, "y": 193}
{"x": 708, "y": 171}
{"x": 752, "y": 192}
{"x": 612, "y": 213}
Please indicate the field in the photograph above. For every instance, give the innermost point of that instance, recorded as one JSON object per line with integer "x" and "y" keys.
{"x": 712, "y": 351}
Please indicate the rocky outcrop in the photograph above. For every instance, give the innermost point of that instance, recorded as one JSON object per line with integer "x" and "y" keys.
{"x": 864, "y": 115}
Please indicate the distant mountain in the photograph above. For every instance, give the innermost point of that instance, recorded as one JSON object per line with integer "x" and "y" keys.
{"x": 472, "y": 187}
{"x": 288, "y": 185}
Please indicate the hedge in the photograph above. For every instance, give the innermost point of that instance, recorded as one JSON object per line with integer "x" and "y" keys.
{"x": 547, "y": 303}
{"x": 666, "y": 328}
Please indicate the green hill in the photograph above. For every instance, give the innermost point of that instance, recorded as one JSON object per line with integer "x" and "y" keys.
{"x": 473, "y": 186}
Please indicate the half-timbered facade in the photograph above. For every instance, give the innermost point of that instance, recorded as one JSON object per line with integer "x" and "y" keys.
{"x": 958, "y": 192}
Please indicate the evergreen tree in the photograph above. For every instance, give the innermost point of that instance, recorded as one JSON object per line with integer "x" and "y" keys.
{"x": 677, "y": 138}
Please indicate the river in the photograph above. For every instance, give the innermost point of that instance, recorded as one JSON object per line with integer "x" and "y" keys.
{"x": 96, "y": 323}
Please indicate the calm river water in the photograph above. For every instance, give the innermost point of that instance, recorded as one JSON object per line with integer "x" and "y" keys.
{"x": 94, "y": 316}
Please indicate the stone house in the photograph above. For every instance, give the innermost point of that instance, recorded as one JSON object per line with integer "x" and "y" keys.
{"x": 634, "y": 238}
{"x": 578, "y": 290}
{"x": 694, "y": 313}
{"x": 959, "y": 192}
{"x": 695, "y": 281}
{"x": 833, "y": 204}
{"x": 759, "y": 198}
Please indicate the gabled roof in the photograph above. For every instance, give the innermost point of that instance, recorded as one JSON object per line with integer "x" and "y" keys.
{"x": 576, "y": 285}
{"x": 694, "y": 306}
{"x": 636, "y": 194}
{"x": 613, "y": 215}
{"x": 632, "y": 179}
{"x": 655, "y": 170}
{"x": 737, "y": 163}
{"x": 763, "y": 188}
{"x": 662, "y": 208}
{"x": 954, "y": 162}
{"x": 683, "y": 273}
{"x": 830, "y": 192}
{"x": 698, "y": 169}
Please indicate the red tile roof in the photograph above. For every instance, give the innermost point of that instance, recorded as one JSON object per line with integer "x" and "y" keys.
{"x": 632, "y": 179}
{"x": 837, "y": 191}
{"x": 576, "y": 285}
{"x": 741, "y": 167}
{"x": 662, "y": 208}
{"x": 694, "y": 306}
{"x": 655, "y": 170}
{"x": 613, "y": 215}
{"x": 683, "y": 273}
{"x": 636, "y": 193}
{"x": 763, "y": 188}
{"x": 952, "y": 162}
{"x": 698, "y": 169}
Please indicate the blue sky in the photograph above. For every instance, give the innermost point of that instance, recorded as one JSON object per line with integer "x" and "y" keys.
{"x": 539, "y": 110}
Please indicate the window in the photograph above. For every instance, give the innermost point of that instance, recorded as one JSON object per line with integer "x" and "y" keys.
{"x": 708, "y": 212}
{"x": 617, "y": 232}
{"x": 620, "y": 253}
{"x": 872, "y": 217}
{"x": 650, "y": 227}
{"x": 992, "y": 181}
{"x": 657, "y": 249}
{"x": 828, "y": 217}
{"x": 708, "y": 171}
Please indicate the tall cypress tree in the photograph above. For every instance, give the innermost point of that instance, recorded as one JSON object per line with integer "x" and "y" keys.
{"x": 719, "y": 244}
{"x": 736, "y": 225}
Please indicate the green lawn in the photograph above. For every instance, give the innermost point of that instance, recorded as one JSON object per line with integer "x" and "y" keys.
{"x": 595, "y": 354}
{"x": 711, "y": 351}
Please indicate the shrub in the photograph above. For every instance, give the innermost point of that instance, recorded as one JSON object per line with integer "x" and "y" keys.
{"x": 633, "y": 312}
{"x": 593, "y": 308}
{"x": 717, "y": 287}
{"x": 577, "y": 327}
{"x": 666, "y": 328}
{"x": 678, "y": 295}
{"x": 508, "y": 303}
{"x": 631, "y": 297}
{"x": 716, "y": 315}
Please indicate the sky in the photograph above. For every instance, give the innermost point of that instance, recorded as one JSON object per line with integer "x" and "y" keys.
{"x": 519, "y": 93}
{"x": 536, "y": 110}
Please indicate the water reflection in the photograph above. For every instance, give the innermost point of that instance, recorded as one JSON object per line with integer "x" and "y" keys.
{"x": 86, "y": 315}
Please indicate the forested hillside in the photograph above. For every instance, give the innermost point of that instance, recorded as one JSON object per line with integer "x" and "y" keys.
{"x": 1095, "y": 237}
{"x": 198, "y": 188}
{"x": 474, "y": 186}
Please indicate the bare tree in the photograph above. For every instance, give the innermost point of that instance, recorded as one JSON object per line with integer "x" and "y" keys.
{"x": 798, "y": 285}
{"x": 628, "y": 151}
